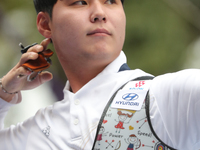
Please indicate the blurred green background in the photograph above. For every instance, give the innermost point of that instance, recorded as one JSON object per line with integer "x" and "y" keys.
{"x": 162, "y": 36}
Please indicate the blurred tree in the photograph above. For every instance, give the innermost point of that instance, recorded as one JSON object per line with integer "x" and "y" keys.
{"x": 196, "y": 3}
{"x": 157, "y": 37}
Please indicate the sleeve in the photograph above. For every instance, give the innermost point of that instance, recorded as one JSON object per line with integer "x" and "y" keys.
{"x": 9, "y": 137}
{"x": 5, "y": 106}
{"x": 23, "y": 136}
{"x": 175, "y": 109}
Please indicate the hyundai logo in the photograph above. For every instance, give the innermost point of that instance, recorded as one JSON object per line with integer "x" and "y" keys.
{"x": 130, "y": 96}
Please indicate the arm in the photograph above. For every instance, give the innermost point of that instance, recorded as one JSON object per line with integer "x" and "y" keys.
{"x": 175, "y": 108}
{"x": 16, "y": 137}
{"x": 25, "y": 136}
{"x": 16, "y": 80}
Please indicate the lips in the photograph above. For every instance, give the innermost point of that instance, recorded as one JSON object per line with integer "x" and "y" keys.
{"x": 99, "y": 32}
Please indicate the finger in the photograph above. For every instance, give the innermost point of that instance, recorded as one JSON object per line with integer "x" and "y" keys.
{"x": 22, "y": 73}
{"x": 45, "y": 76}
{"x": 40, "y": 79}
{"x": 36, "y": 48}
{"x": 45, "y": 43}
{"x": 40, "y": 47}
{"x": 27, "y": 56}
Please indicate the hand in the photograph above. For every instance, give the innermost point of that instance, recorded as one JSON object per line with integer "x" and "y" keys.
{"x": 16, "y": 79}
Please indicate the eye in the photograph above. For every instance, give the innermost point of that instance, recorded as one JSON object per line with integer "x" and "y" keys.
{"x": 110, "y": 1}
{"x": 80, "y": 3}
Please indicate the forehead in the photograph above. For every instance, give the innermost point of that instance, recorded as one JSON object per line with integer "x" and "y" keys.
{"x": 80, "y": 3}
{"x": 91, "y": 0}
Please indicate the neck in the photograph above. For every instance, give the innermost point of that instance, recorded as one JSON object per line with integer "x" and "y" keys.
{"x": 79, "y": 76}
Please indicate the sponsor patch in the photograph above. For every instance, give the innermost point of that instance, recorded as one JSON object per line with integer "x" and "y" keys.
{"x": 132, "y": 95}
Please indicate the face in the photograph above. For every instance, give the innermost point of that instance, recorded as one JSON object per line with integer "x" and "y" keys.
{"x": 122, "y": 118}
{"x": 101, "y": 130}
{"x": 89, "y": 30}
{"x": 132, "y": 140}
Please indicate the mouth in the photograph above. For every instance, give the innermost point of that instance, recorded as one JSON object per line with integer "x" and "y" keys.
{"x": 99, "y": 32}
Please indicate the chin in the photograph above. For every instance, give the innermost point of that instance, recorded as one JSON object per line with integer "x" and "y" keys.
{"x": 105, "y": 54}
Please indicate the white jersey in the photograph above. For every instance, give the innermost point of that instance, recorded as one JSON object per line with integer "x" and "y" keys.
{"x": 71, "y": 123}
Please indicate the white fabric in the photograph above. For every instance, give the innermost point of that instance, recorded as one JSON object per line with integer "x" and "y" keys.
{"x": 72, "y": 122}
{"x": 34, "y": 99}
{"x": 175, "y": 108}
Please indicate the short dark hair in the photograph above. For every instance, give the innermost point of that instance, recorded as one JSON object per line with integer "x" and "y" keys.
{"x": 47, "y": 5}
{"x": 44, "y": 6}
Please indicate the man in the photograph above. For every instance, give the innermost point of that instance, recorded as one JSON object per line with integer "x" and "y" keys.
{"x": 88, "y": 37}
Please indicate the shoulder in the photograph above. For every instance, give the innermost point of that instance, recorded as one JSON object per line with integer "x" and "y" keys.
{"x": 175, "y": 107}
{"x": 187, "y": 78}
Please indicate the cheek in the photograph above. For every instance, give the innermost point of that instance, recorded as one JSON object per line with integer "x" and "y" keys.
{"x": 66, "y": 30}
{"x": 119, "y": 20}
{"x": 119, "y": 23}
{"x": 122, "y": 27}
{"x": 66, "y": 21}
{"x": 62, "y": 27}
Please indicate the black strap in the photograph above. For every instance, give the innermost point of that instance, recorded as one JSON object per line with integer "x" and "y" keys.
{"x": 109, "y": 103}
{"x": 147, "y": 105}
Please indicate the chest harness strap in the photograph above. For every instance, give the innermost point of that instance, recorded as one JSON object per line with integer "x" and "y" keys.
{"x": 123, "y": 129}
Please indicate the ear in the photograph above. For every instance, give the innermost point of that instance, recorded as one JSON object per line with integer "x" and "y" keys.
{"x": 43, "y": 24}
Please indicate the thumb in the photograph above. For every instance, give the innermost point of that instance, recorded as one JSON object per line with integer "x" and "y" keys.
{"x": 45, "y": 76}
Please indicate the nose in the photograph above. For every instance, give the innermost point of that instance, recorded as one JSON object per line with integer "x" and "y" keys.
{"x": 98, "y": 13}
